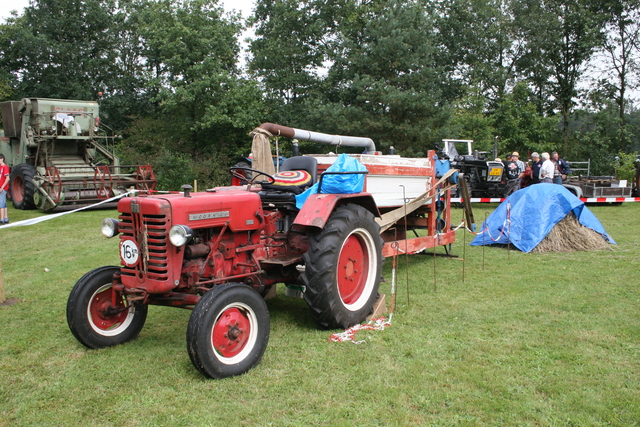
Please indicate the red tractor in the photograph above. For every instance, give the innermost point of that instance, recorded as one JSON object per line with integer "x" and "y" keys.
{"x": 220, "y": 251}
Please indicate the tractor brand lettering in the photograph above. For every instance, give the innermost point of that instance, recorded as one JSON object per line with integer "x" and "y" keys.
{"x": 208, "y": 215}
{"x": 69, "y": 110}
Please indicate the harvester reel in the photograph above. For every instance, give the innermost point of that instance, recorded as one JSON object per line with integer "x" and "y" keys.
{"x": 103, "y": 182}
{"x": 146, "y": 178}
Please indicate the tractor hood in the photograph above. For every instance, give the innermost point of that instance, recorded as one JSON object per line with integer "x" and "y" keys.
{"x": 239, "y": 208}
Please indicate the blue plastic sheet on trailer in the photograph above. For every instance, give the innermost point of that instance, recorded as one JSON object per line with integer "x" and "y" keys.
{"x": 338, "y": 184}
{"x": 528, "y": 215}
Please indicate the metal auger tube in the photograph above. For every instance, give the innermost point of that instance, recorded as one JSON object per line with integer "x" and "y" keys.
{"x": 347, "y": 141}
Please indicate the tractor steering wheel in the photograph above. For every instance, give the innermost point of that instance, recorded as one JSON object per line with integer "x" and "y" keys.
{"x": 249, "y": 175}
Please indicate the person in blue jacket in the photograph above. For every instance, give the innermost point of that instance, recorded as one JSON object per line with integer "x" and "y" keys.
{"x": 536, "y": 163}
{"x": 562, "y": 169}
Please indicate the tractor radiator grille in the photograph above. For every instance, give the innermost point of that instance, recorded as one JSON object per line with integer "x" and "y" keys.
{"x": 151, "y": 235}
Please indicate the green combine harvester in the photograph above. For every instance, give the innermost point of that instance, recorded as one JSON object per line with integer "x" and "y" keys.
{"x": 60, "y": 158}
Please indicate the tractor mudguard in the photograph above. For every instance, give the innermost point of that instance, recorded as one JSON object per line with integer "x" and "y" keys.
{"x": 318, "y": 207}
{"x": 575, "y": 189}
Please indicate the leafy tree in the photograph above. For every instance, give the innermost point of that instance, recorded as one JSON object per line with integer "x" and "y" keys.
{"x": 386, "y": 83}
{"x": 469, "y": 120}
{"x": 596, "y": 134}
{"x": 482, "y": 44}
{"x": 192, "y": 51}
{"x": 625, "y": 165}
{"x": 58, "y": 49}
{"x": 293, "y": 43}
{"x": 560, "y": 36}
{"x": 76, "y": 49}
{"x": 620, "y": 58}
{"x": 520, "y": 127}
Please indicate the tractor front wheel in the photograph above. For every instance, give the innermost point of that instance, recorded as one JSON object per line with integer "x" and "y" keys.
{"x": 343, "y": 268}
{"x": 228, "y": 331}
{"x": 22, "y": 186}
{"x": 92, "y": 316}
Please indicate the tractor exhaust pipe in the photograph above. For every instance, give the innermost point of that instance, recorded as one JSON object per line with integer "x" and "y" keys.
{"x": 339, "y": 140}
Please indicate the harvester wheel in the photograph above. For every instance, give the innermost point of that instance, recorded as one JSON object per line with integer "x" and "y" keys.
{"x": 228, "y": 331}
{"x": 343, "y": 268}
{"x": 92, "y": 318}
{"x": 22, "y": 186}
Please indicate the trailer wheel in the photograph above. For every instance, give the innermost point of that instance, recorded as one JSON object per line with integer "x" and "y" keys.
{"x": 228, "y": 331}
{"x": 22, "y": 186}
{"x": 343, "y": 268}
{"x": 92, "y": 318}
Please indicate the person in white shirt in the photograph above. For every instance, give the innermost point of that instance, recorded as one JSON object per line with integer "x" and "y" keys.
{"x": 547, "y": 169}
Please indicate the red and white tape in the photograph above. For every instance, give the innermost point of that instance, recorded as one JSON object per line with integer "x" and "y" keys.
{"x": 583, "y": 199}
{"x": 349, "y": 334}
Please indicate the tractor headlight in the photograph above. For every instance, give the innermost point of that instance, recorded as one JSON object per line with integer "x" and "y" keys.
{"x": 179, "y": 235}
{"x": 109, "y": 227}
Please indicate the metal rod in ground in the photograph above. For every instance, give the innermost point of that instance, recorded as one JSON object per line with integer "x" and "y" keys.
{"x": 508, "y": 231}
{"x": 393, "y": 282}
{"x": 464, "y": 245}
{"x": 483, "y": 233}
{"x": 406, "y": 243}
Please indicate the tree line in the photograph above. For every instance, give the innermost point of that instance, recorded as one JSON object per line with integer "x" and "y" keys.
{"x": 539, "y": 75}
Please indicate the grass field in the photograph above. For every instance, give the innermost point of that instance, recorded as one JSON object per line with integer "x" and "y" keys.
{"x": 497, "y": 338}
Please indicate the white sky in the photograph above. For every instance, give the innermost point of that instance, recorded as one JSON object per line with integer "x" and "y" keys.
{"x": 6, "y": 6}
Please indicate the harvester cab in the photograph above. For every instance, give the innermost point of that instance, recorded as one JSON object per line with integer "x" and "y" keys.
{"x": 60, "y": 157}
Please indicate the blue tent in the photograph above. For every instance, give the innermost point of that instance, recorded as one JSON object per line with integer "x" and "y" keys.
{"x": 526, "y": 217}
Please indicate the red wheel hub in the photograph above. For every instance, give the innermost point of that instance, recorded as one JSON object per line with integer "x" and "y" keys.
{"x": 231, "y": 332}
{"x": 17, "y": 189}
{"x": 101, "y": 315}
{"x": 353, "y": 266}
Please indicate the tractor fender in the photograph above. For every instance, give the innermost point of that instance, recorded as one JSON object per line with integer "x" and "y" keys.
{"x": 318, "y": 207}
{"x": 575, "y": 190}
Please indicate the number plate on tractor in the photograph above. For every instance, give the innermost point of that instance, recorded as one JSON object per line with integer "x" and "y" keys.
{"x": 495, "y": 171}
{"x": 129, "y": 252}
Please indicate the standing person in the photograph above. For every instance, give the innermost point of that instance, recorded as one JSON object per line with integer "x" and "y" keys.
{"x": 547, "y": 169}
{"x": 562, "y": 168}
{"x": 536, "y": 164}
{"x": 4, "y": 187}
{"x": 515, "y": 156}
{"x": 514, "y": 171}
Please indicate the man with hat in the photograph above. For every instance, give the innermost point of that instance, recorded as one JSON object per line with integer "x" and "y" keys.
{"x": 514, "y": 171}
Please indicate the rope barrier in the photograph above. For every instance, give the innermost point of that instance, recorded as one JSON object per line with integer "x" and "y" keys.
{"x": 40, "y": 219}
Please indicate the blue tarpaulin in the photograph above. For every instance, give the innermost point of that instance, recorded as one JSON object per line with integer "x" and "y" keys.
{"x": 528, "y": 215}
{"x": 338, "y": 184}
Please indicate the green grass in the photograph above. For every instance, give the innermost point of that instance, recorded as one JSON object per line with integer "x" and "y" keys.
{"x": 551, "y": 340}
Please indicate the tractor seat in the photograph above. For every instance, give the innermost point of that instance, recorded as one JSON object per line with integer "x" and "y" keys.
{"x": 296, "y": 174}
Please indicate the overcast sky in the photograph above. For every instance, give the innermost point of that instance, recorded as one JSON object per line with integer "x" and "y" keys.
{"x": 8, "y": 5}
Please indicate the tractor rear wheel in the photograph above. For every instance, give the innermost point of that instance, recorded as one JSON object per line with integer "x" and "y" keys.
{"x": 343, "y": 268}
{"x": 228, "y": 331}
{"x": 22, "y": 186}
{"x": 92, "y": 317}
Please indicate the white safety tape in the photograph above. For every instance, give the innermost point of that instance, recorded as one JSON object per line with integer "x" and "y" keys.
{"x": 39, "y": 219}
